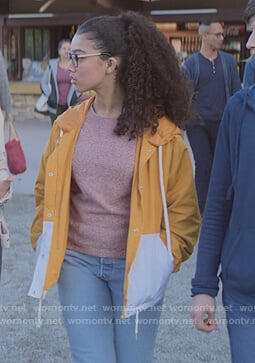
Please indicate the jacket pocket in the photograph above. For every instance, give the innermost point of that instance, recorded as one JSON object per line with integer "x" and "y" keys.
{"x": 149, "y": 274}
{"x": 238, "y": 269}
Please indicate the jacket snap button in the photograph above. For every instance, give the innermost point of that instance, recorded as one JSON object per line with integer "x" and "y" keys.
{"x": 136, "y": 230}
{"x": 51, "y": 174}
{"x": 49, "y": 215}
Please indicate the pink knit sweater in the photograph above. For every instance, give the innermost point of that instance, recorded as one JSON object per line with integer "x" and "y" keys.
{"x": 103, "y": 165}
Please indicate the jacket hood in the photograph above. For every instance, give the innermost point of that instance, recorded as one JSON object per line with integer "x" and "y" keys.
{"x": 74, "y": 116}
{"x": 246, "y": 97}
{"x": 165, "y": 132}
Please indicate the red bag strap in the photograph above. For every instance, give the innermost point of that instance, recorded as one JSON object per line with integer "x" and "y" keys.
{"x": 12, "y": 130}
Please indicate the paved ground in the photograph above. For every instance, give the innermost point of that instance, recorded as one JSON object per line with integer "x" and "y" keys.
{"x": 33, "y": 134}
{"x": 21, "y": 341}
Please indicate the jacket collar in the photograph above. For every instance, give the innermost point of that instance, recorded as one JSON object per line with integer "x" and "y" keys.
{"x": 74, "y": 117}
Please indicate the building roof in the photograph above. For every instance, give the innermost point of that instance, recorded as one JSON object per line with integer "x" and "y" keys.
{"x": 227, "y": 9}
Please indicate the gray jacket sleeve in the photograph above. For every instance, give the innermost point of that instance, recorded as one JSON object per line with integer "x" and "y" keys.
{"x": 45, "y": 84}
{"x": 5, "y": 96}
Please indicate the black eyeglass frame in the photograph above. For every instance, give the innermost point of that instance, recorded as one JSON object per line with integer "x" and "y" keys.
{"x": 74, "y": 58}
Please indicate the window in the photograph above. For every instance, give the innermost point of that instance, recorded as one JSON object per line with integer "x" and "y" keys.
{"x": 37, "y": 44}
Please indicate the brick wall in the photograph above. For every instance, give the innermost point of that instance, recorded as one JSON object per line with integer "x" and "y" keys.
{"x": 24, "y": 97}
{"x": 23, "y": 107}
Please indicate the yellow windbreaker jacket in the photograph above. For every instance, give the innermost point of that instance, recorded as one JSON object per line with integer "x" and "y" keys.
{"x": 163, "y": 194}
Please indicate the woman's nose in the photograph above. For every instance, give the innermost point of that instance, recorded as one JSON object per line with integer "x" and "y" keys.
{"x": 251, "y": 41}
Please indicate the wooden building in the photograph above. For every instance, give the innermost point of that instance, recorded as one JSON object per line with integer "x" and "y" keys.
{"x": 31, "y": 29}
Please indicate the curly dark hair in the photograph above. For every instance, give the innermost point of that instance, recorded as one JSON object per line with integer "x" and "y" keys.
{"x": 249, "y": 11}
{"x": 149, "y": 72}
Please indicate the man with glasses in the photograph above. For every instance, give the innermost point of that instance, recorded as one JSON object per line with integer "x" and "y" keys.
{"x": 214, "y": 79}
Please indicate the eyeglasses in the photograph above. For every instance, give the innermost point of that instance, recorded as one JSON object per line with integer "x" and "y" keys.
{"x": 218, "y": 35}
{"x": 74, "y": 58}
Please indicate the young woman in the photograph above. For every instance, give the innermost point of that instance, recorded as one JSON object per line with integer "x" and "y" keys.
{"x": 56, "y": 82}
{"x": 114, "y": 175}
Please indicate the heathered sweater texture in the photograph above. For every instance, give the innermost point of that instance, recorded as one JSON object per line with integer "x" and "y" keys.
{"x": 64, "y": 84}
{"x": 102, "y": 173}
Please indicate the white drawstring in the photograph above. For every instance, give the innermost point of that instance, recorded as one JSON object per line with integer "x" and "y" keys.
{"x": 39, "y": 316}
{"x": 61, "y": 133}
{"x": 163, "y": 197}
{"x": 136, "y": 324}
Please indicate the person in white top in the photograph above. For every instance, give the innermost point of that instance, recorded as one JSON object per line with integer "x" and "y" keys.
{"x": 5, "y": 190}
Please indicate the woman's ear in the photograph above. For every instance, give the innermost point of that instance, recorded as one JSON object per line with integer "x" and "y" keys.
{"x": 111, "y": 65}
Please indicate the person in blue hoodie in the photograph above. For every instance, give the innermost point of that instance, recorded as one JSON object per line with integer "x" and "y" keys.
{"x": 249, "y": 71}
{"x": 226, "y": 248}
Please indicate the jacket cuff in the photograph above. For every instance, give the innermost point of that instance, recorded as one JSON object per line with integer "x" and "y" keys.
{"x": 206, "y": 287}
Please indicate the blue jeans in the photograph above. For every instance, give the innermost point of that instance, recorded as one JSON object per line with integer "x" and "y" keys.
{"x": 202, "y": 137}
{"x": 240, "y": 313}
{"x": 91, "y": 295}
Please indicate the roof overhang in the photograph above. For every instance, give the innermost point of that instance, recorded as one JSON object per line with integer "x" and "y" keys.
{"x": 161, "y": 10}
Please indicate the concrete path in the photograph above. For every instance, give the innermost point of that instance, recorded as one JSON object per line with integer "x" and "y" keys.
{"x": 33, "y": 134}
{"x": 21, "y": 341}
